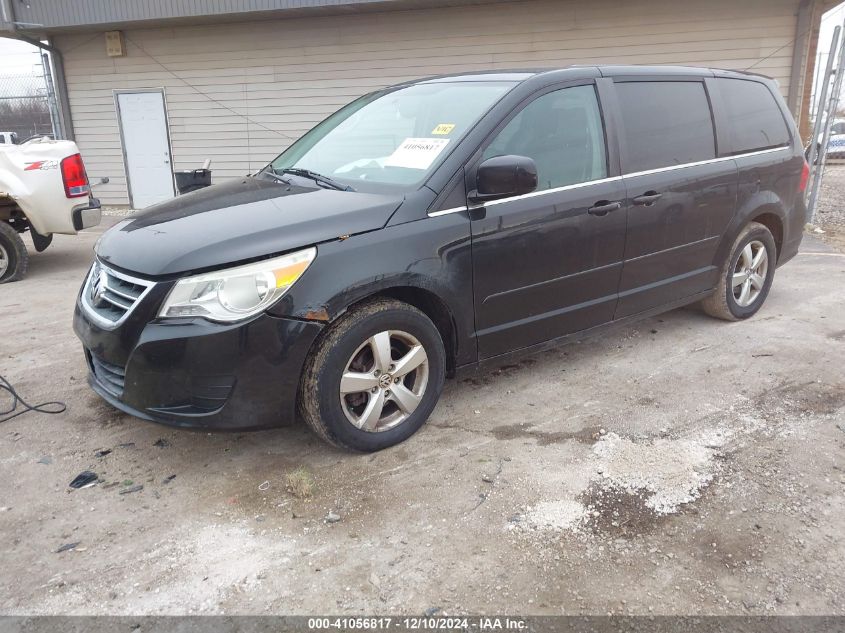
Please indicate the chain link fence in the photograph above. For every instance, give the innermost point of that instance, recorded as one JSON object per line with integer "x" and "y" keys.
{"x": 24, "y": 106}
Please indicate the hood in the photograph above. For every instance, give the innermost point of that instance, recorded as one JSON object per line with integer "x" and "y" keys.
{"x": 237, "y": 221}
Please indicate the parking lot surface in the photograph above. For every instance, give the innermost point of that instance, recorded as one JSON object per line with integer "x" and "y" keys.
{"x": 681, "y": 465}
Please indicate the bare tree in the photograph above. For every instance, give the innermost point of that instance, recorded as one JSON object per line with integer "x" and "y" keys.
{"x": 23, "y": 106}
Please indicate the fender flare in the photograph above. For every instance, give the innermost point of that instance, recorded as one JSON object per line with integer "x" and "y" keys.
{"x": 415, "y": 289}
{"x": 341, "y": 301}
{"x": 762, "y": 202}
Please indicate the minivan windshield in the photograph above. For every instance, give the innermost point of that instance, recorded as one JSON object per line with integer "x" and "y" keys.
{"x": 392, "y": 139}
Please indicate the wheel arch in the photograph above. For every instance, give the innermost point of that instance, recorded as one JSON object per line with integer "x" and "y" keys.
{"x": 767, "y": 209}
{"x": 414, "y": 292}
{"x": 769, "y": 217}
{"x": 10, "y": 209}
{"x": 435, "y": 309}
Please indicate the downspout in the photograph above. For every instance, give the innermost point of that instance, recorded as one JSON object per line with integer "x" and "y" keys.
{"x": 8, "y": 18}
{"x": 803, "y": 29}
{"x": 7, "y": 15}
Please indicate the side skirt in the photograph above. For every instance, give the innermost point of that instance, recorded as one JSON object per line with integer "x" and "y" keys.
{"x": 495, "y": 361}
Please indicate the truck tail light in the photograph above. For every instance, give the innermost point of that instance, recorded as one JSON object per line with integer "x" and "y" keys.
{"x": 805, "y": 176}
{"x": 74, "y": 177}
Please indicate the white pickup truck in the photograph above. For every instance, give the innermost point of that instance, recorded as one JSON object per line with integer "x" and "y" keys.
{"x": 44, "y": 190}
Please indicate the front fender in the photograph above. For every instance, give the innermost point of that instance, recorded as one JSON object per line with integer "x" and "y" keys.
{"x": 432, "y": 255}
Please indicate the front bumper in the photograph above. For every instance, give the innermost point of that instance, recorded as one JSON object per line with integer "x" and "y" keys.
{"x": 193, "y": 373}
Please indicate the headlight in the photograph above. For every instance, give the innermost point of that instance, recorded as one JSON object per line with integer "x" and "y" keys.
{"x": 236, "y": 293}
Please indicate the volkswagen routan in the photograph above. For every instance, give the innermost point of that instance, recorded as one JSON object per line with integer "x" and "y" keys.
{"x": 440, "y": 226}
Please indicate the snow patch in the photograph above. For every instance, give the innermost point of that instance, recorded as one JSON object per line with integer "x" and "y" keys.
{"x": 564, "y": 514}
{"x": 673, "y": 471}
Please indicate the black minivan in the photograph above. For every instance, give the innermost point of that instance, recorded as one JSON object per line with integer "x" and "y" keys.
{"x": 438, "y": 226}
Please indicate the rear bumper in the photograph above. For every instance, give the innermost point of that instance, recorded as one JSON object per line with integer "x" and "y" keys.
{"x": 789, "y": 249}
{"x": 793, "y": 231}
{"x": 88, "y": 215}
{"x": 199, "y": 374}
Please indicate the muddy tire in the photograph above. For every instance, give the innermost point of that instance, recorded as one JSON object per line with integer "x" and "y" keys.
{"x": 745, "y": 277}
{"x": 13, "y": 256}
{"x": 373, "y": 377}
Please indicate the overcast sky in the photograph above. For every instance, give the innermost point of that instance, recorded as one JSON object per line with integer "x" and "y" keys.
{"x": 830, "y": 20}
{"x": 17, "y": 57}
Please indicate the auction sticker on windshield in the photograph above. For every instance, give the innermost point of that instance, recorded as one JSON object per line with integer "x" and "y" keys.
{"x": 416, "y": 153}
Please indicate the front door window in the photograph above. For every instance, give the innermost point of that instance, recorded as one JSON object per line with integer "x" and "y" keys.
{"x": 562, "y": 132}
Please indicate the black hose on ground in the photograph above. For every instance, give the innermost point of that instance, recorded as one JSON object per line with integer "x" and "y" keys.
{"x": 12, "y": 412}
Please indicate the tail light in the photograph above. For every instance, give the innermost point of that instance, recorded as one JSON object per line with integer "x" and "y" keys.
{"x": 74, "y": 177}
{"x": 805, "y": 176}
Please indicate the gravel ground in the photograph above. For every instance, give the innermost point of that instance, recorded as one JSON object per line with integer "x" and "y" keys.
{"x": 680, "y": 466}
{"x": 830, "y": 212}
{"x": 117, "y": 212}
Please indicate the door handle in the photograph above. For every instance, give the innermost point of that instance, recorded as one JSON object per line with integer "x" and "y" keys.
{"x": 648, "y": 198}
{"x": 603, "y": 207}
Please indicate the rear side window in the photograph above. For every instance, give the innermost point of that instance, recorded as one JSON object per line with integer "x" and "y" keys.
{"x": 665, "y": 123}
{"x": 756, "y": 119}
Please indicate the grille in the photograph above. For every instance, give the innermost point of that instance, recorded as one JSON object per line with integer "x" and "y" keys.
{"x": 110, "y": 296}
{"x": 111, "y": 377}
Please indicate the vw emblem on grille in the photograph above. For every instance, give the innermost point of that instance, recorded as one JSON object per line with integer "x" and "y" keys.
{"x": 109, "y": 296}
{"x": 99, "y": 285}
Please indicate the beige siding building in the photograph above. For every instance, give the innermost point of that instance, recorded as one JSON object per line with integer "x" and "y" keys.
{"x": 239, "y": 87}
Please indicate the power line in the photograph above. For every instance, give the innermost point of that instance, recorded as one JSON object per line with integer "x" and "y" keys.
{"x": 207, "y": 96}
{"x": 779, "y": 49}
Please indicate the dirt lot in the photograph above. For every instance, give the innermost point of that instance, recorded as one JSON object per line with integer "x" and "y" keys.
{"x": 684, "y": 465}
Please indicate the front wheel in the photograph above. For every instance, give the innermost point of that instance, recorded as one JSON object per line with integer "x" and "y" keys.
{"x": 374, "y": 376}
{"x": 746, "y": 275}
{"x": 13, "y": 256}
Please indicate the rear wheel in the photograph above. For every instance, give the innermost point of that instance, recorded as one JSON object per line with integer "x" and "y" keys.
{"x": 374, "y": 376}
{"x": 13, "y": 256}
{"x": 746, "y": 275}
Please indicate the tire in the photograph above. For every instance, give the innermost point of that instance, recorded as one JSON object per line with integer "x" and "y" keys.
{"x": 343, "y": 412}
{"x": 13, "y": 256}
{"x": 729, "y": 301}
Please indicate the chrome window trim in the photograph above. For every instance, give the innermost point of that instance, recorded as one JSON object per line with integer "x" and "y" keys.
{"x": 647, "y": 172}
{"x": 91, "y": 311}
{"x": 534, "y": 194}
{"x": 435, "y": 214}
{"x": 709, "y": 161}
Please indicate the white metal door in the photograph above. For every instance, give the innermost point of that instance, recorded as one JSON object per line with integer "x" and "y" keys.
{"x": 146, "y": 147}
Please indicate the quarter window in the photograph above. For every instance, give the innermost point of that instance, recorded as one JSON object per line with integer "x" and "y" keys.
{"x": 562, "y": 132}
{"x": 665, "y": 123}
{"x": 756, "y": 119}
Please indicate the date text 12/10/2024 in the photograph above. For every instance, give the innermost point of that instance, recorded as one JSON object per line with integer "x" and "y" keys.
{"x": 418, "y": 623}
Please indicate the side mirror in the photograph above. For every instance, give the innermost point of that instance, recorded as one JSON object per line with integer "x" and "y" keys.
{"x": 504, "y": 176}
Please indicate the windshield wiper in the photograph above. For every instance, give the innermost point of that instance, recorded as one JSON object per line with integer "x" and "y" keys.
{"x": 313, "y": 175}
{"x": 272, "y": 173}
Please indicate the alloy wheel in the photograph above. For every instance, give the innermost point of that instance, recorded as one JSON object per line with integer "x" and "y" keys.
{"x": 749, "y": 274}
{"x": 4, "y": 260}
{"x": 384, "y": 381}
